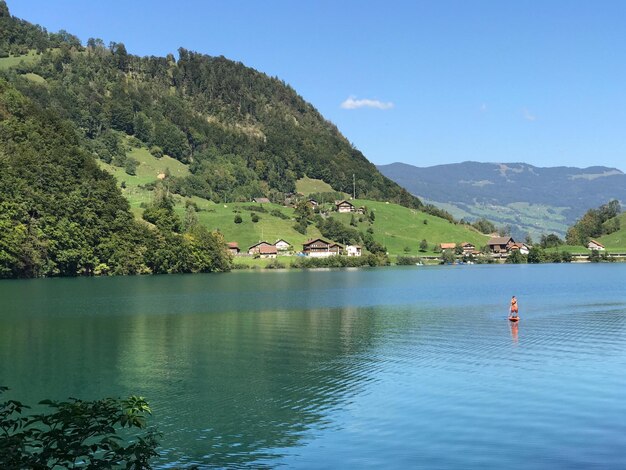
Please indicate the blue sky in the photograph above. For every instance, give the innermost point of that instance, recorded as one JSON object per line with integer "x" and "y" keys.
{"x": 425, "y": 83}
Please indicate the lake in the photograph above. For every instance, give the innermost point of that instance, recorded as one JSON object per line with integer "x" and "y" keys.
{"x": 367, "y": 368}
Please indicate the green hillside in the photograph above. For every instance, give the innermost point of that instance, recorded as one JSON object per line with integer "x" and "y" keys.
{"x": 399, "y": 227}
{"x": 616, "y": 241}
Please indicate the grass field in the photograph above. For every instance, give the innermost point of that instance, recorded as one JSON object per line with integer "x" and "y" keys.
{"x": 8, "y": 62}
{"x": 398, "y": 227}
{"x": 308, "y": 186}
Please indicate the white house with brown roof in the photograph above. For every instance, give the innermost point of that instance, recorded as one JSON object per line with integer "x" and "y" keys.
{"x": 522, "y": 247}
{"x": 282, "y": 245}
{"x": 320, "y": 248}
{"x": 447, "y": 246}
{"x": 268, "y": 251}
{"x": 595, "y": 245}
{"x": 256, "y": 248}
{"x": 233, "y": 247}
{"x": 344, "y": 206}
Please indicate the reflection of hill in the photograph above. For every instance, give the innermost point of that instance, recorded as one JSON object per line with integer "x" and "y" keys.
{"x": 225, "y": 386}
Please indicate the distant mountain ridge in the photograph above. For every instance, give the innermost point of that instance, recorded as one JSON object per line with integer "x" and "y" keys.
{"x": 529, "y": 198}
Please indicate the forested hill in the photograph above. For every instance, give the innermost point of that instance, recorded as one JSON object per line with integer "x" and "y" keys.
{"x": 243, "y": 133}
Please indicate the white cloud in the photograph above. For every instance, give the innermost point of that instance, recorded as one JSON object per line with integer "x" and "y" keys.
{"x": 528, "y": 115}
{"x": 353, "y": 103}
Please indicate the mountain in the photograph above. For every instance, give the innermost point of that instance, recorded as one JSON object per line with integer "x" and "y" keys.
{"x": 242, "y": 133}
{"x": 530, "y": 199}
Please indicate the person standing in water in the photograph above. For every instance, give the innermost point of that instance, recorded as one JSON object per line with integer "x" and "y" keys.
{"x": 514, "y": 308}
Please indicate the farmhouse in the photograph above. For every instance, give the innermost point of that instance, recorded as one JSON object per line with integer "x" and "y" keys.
{"x": 256, "y": 249}
{"x": 282, "y": 245}
{"x": 344, "y": 206}
{"x": 353, "y": 250}
{"x": 320, "y": 248}
{"x": 447, "y": 246}
{"x": 261, "y": 200}
{"x": 500, "y": 244}
{"x": 268, "y": 251}
{"x": 522, "y": 247}
{"x": 594, "y": 245}
{"x": 233, "y": 248}
{"x": 468, "y": 248}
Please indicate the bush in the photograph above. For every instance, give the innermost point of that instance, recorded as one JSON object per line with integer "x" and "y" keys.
{"x": 408, "y": 260}
{"x": 76, "y": 431}
{"x": 278, "y": 213}
{"x": 156, "y": 151}
{"x": 238, "y": 219}
{"x": 255, "y": 218}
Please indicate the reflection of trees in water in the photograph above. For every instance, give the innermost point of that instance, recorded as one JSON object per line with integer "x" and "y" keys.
{"x": 234, "y": 386}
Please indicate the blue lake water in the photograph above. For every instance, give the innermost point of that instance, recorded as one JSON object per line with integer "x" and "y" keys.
{"x": 411, "y": 367}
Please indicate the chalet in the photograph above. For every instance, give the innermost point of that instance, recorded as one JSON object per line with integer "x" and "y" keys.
{"x": 256, "y": 249}
{"x": 522, "y": 247}
{"x": 268, "y": 251}
{"x": 594, "y": 245}
{"x": 447, "y": 246}
{"x": 319, "y": 248}
{"x": 353, "y": 250}
{"x": 233, "y": 248}
{"x": 500, "y": 244}
{"x": 344, "y": 206}
{"x": 313, "y": 203}
{"x": 261, "y": 200}
{"x": 468, "y": 248}
{"x": 282, "y": 245}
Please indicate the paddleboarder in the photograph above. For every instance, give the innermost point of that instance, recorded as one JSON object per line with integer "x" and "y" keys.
{"x": 514, "y": 308}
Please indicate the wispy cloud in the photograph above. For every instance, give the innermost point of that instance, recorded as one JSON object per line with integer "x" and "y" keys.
{"x": 353, "y": 103}
{"x": 483, "y": 108}
{"x": 528, "y": 115}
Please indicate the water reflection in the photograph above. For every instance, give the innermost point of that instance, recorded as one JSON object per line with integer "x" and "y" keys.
{"x": 514, "y": 327}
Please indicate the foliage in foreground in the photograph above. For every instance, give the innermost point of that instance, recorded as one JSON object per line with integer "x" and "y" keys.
{"x": 77, "y": 434}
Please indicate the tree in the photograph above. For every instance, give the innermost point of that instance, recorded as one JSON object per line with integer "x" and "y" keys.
{"x": 423, "y": 245}
{"x": 535, "y": 255}
{"x": 515, "y": 257}
{"x": 76, "y": 431}
{"x": 238, "y": 219}
{"x": 447, "y": 257}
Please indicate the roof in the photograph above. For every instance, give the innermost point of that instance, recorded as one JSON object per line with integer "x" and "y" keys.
{"x": 233, "y": 245}
{"x": 447, "y": 246}
{"x": 467, "y": 244}
{"x": 261, "y": 200}
{"x": 500, "y": 241}
{"x": 260, "y": 243}
{"x": 338, "y": 203}
{"x": 596, "y": 242}
{"x": 313, "y": 240}
{"x": 281, "y": 240}
{"x": 268, "y": 250}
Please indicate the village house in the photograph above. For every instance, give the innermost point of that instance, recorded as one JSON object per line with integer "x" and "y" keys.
{"x": 313, "y": 203}
{"x": 353, "y": 250}
{"x": 500, "y": 244}
{"x": 282, "y": 245}
{"x": 468, "y": 248}
{"x": 256, "y": 248}
{"x": 268, "y": 251}
{"x": 261, "y": 200}
{"x": 595, "y": 245}
{"x": 447, "y": 246}
{"x": 344, "y": 206}
{"x": 522, "y": 247}
{"x": 233, "y": 248}
{"x": 319, "y": 248}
